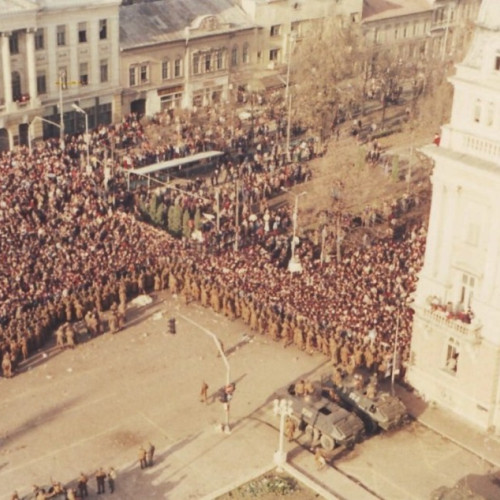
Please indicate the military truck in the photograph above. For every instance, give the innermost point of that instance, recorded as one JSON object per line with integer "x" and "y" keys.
{"x": 322, "y": 419}
{"x": 378, "y": 409}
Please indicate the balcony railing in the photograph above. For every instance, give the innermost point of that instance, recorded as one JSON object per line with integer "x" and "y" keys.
{"x": 456, "y": 323}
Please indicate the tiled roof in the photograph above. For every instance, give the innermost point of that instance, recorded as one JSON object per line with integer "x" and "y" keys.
{"x": 148, "y": 23}
{"x": 383, "y": 9}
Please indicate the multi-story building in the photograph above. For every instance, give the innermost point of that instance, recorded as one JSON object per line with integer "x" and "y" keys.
{"x": 435, "y": 28}
{"x": 53, "y": 53}
{"x": 455, "y": 350}
{"x": 284, "y": 20}
{"x": 182, "y": 54}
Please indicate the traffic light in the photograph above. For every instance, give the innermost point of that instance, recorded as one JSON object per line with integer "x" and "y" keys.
{"x": 171, "y": 325}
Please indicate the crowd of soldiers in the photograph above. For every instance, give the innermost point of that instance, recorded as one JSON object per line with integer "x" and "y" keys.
{"x": 75, "y": 255}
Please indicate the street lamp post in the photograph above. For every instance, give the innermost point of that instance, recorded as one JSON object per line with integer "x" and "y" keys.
{"x": 218, "y": 344}
{"x": 62, "y": 82}
{"x": 288, "y": 95}
{"x": 87, "y": 138}
{"x": 31, "y": 123}
{"x": 283, "y": 408}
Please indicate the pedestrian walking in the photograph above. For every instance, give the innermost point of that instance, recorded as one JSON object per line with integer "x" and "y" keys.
{"x": 150, "y": 454}
{"x": 111, "y": 479}
{"x": 204, "y": 392}
{"x": 142, "y": 457}
{"x": 82, "y": 485}
{"x": 100, "y": 477}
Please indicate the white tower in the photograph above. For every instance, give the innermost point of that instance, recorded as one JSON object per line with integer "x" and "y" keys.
{"x": 455, "y": 351}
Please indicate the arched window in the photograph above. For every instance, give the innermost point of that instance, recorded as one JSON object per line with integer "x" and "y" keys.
{"x": 16, "y": 86}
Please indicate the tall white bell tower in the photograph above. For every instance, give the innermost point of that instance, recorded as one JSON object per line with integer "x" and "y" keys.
{"x": 455, "y": 350}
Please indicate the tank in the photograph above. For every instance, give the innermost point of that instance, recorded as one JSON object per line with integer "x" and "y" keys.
{"x": 322, "y": 419}
{"x": 378, "y": 409}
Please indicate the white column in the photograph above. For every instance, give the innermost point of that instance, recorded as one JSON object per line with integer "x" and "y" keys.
{"x": 434, "y": 233}
{"x": 7, "y": 74}
{"x": 30, "y": 60}
{"x": 448, "y": 230}
{"x": 490, "y": 271}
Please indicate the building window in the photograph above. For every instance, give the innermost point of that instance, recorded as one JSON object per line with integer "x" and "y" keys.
{"x": 477, "y": 110}
{"x": 295, "y": 27}
{"x": 132, "y": 80}
{"x": 144, "y": 73}
{"x": 274, "y": 54}
{"x": 497, "y": 63}
{"x": 41, "y": 84}
{"x": 276, "y": 30}
{"x": 452, "y": 355}
{"x": 103, "y": 29}
{"x": 61, "y": 35}
{"x": 84, "y": 73}
{"x": 103, "y": 67}
{"x": 467, "y": 290}
{"x": 178, "y": 68}
{"x": 396, "y": 32}
{"x": 220, "y": 59}
{"x": 234, "y": 56}
{"x": 165, "y": 73}
{"x": 82, "y": 32}
{"x": 14, "y": 43}
{"x": 39, "y": 39}
{"x": 490, "y": 114}
{"x": 16, "y": 86}
{"x": 245, "y": 55}
{"x": 472, "y": 235}
{"x": 196, "y": 64}
{"x": 208, "y": 63}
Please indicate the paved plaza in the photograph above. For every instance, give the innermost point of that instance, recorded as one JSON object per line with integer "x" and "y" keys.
{"x": 77, "y": 410}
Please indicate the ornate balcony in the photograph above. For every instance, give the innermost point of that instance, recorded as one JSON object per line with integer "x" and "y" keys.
{"x": 459, "y": 325}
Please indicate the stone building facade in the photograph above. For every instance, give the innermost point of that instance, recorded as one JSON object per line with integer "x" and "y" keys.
{"x": 455, "y": 351}
{"x": 53, "y": 52}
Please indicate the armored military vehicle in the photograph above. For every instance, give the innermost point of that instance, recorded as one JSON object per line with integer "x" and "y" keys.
{"x": 377, "y": 409}
{"x": 323, "y": 419}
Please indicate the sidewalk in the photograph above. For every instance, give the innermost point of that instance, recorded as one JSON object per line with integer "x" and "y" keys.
{"x": 452, "y": 427}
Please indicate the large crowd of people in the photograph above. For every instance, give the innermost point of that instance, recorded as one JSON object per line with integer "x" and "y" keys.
{"x": 74, "y": 243}
{"x": 70, "y": 250}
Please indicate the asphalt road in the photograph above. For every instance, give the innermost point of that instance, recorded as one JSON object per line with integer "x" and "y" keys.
{"x": 93, "y": 406}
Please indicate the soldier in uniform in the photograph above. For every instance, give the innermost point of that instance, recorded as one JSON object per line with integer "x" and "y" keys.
{"x": 82, "y": 485}
{"x": 150, "y": 454}
{"x": 113, "y": 319}
{"x": 6, "y": 366}
{"x": 121, "y": 315}
{"x": 204, "y": 295}
{"x": 298, "y": 338}
{"x": 290, "y": 428}
{"x": 215, "y": 299}
{"x": 204, "y": 392}
{"x": 70, "y": 336}
{"x": 300, "y": 388}
{"x": 141, "y": 455}
{"x": 100, "y": 477}
{"x": 60, "y": 337}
